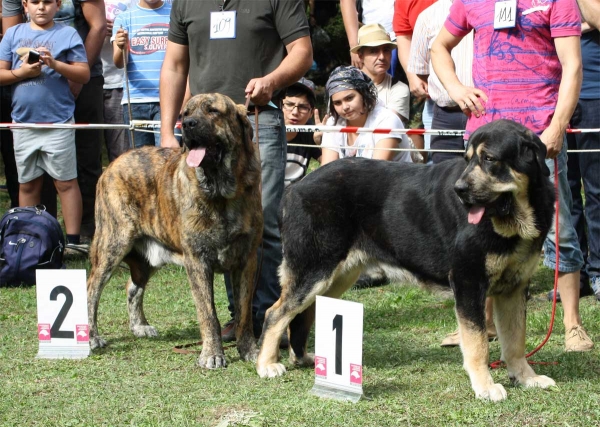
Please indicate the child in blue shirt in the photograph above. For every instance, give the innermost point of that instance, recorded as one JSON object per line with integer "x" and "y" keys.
{"x": 142, "y": 32}
{"x": 41, "y": 94}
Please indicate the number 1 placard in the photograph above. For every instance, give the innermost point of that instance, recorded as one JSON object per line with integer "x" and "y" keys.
{"x": 338, "y": 349}
{"x": 63, "y": 330}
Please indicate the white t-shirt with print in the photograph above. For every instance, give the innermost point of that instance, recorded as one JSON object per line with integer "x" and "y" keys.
{"x": 379, "y": 118}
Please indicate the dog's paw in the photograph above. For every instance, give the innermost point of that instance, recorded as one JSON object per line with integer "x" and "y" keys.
{"x": 307, "y": 360}
{"x": 213, "y": 361}
{"x": 494, "y": 392}
{"x": 97, "y": 342}
{"x": 250, "y": 355}
{"x": 270, "y": 371}
{"x": 141, "y": 331}
{"x": 539, "y": 381}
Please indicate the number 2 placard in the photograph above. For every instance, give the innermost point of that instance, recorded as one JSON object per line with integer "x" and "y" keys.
{"x": 338, "y": 348}
{"x": 63, "y": 330}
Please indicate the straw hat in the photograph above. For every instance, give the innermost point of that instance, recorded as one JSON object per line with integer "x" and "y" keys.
{"x": 372, "y": 35}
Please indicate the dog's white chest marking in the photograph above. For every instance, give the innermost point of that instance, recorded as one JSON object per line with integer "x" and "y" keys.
{"x": 156, "y": 254}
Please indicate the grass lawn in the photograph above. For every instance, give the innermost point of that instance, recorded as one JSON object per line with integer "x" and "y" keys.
{"x": 408, "y": 379}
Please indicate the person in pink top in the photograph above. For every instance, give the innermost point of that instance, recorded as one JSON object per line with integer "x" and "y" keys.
{"x": 526, "y": 68}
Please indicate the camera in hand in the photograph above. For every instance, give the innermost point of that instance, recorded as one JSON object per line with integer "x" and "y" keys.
{"x": 34, "y": 57}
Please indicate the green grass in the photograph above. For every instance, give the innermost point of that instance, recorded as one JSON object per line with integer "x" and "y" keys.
{"x": 408, "y": 379}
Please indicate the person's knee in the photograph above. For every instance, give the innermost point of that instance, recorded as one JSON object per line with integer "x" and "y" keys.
{"x": 67, "y": 186}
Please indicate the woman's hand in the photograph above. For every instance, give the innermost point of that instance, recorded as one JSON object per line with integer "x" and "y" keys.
{"x": 318, "y": 136}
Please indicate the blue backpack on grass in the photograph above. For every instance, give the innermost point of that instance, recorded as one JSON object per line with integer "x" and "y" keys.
{"x": 30, "y": 238}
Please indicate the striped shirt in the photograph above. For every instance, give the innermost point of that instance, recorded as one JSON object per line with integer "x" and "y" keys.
{"x": 517, "y": 68}
{"x": 429, "y": 23}
{"x": 148, "y": 30}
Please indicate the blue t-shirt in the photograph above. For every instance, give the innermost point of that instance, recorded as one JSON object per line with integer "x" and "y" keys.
{"x": 148, "y": 30}
{"x": 69, "y": 13}
{"x": 46, "y": 98}
{"x": 590, "y": 54}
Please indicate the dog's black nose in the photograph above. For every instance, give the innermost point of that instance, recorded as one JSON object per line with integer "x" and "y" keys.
{"x": 461, "y": 187}
{"x": 189, "y": 123}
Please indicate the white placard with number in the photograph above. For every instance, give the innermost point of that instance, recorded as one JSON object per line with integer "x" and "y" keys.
{"x": 222, "y": 25}
{"x": 505, "y": 14}
{"x": 338, "y": 348}
{"x": 63, "y": 330}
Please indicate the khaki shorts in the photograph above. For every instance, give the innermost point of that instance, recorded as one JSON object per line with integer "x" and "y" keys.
{"x": 49, "y": 150}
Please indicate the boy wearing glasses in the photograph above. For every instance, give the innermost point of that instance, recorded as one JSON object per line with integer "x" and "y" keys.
{"x": 298, "y": 105}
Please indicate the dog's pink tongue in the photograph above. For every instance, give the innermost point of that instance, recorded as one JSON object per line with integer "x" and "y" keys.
{"x": 195, "y": 157}
{"x": 475, "y": 214}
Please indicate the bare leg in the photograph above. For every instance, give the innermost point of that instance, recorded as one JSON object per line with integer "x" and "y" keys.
{"x": 576, "y": 339}
{"x": 70, "y": 199}
{"x": 30, "y": 193}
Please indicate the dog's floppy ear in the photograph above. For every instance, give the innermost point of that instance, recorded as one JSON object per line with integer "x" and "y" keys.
{"x": 532, "y": 145}
{"x": 242, "y": 116}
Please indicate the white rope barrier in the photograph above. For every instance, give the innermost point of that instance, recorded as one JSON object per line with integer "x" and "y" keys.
{"x": 150, "y": 126}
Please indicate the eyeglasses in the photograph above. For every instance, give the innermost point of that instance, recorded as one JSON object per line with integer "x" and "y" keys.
{"x": 302, "y": 108}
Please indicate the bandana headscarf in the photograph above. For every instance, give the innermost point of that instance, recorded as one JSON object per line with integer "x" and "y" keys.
{"x": 349, "y": 78}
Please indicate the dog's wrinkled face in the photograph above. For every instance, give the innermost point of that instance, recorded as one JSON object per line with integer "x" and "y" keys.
{"x": 503, "y": 157}
{"x": 212, "y": 125}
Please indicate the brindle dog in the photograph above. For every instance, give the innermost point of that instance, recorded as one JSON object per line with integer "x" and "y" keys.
{"x": 199, "y": 207}
{"x": 475, "y": 224}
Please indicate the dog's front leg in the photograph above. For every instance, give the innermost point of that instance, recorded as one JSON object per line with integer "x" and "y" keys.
{"x": 510, "y": 320}
{"x": 470, "y": 313}
{"x": 243, "y": 291}
{"x": 201, "y": 282}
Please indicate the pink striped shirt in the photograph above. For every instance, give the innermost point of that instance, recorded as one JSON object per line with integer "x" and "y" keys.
{"x": 518, "y": 68}
{"x": 429, "y": 23}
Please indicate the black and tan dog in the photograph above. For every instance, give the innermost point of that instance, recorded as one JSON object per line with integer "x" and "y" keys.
{"x": 476, "y": 225}
{"x": 199, "y": 207}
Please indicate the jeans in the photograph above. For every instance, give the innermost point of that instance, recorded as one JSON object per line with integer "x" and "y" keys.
{"x": 143, "y": 111}
{"x": 7, "y": 149}
{"x": 452, "y": 119}
{"x": 115, "y": 139}
{"x": 428, "y": 121}
{"x": 88, "y": 143}
{"x": 571, "y": 257}
{"x": 273, "y": 154}
{"x": 585, "y": 168}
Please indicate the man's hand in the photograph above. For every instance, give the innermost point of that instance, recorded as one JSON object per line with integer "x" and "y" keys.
{"x": 75, "y": 88}
{"x": 552, "y": 137}
{"x": 109, "y": 27}
{"x": 260, "y": 90}
{"x": 469, "y": 99}
{"x": 355, "y": 60}
{"x": 418, "y": 87}
{"x": 169, "y": 141}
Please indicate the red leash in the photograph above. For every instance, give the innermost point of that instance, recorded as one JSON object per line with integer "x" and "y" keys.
{"x": 499, "y": 363}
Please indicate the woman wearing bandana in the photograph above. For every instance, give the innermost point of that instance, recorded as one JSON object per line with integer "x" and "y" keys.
{"x": 353, "y": 102}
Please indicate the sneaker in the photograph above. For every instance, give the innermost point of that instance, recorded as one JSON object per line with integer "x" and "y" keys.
{"x": 595, "y": 283}
{"x": 577, "y": 339}
{"x": 453, "y": 339}
{"x": 584, "y": 291}
{"x": 77, "y": 249}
